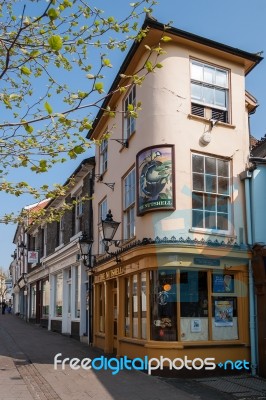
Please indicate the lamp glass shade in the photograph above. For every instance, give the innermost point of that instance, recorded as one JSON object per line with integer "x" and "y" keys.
{"x": 85, "y": 245}
{"x": 109, "y": 229}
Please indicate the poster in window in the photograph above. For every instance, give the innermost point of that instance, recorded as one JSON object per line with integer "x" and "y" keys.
{"x": 223, "y": 312}
{"x": 155, "y": 177}
{"x": 222, "y": 283}
{"x": 195, "y": 325}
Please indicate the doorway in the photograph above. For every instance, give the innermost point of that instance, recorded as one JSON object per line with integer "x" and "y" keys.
{"x": 69, "y": 302}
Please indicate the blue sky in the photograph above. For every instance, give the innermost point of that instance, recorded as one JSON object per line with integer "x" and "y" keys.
{"x": 237, "y": 23}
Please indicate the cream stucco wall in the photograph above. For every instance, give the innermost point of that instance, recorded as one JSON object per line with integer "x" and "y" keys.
{"x": 165, "y": 119}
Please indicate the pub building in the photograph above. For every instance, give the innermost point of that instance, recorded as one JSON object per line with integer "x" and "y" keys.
{"x": 173, "y": 278}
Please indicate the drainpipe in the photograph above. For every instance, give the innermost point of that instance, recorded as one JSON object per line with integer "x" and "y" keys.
{"x": 246, "y": 176}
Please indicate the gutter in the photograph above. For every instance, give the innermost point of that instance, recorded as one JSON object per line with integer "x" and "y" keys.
{"x": 246, "y": 176}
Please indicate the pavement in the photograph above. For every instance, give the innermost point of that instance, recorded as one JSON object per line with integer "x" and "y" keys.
{"x": 27, "y": 372}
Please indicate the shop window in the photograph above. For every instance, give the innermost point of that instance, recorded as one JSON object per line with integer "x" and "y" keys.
{"x": 143, "y": 305}
{"x": 101, "y": 309}
{"x": 163, "y": 303}
{"x": 194, "y": 305}
{"x": 58, "y": 294}
{"x": 224, "y": 307}
{"x": 115, "y": 310}
{"x": 127, "y": 307}
{"x": 45, "y": 299}
{"x": 135, "y": 305}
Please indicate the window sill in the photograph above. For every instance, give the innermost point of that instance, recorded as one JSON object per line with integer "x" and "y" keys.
{"x": 140, "y": 342}
{"x": 213, "y": 233}
{"x": 182, "y": 345}
{"x": 75, "y": 236}
{"x": 206, "y": 120}
{"x": 59, "y": 247}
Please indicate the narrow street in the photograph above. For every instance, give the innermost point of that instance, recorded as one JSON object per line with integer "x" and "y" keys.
{"x": 27, "y": 372}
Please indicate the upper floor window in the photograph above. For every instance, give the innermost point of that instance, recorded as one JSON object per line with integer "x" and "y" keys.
{"x": 129, "y": 191}
{"x": 103, "y": 155}
{"x": 210, "y": 192}
{"x": 209, "y": 91}
{"x": 129, "y": 121}
{"x": 61, "y": 230}
{"x": 102, "y": 212}
{"x": 78, "y": 212}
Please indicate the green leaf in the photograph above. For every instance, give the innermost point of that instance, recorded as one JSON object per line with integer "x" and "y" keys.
{"x": 166, "y": 39}
{"x": 34, "y": 53}
{"x": 25, "y": 70}
{"x": 48, "y": 107}
{"x": 99, "y": 87}
{"x": 28, "y": 128}
{"x": 130, "y": 107}
{"x": 55, "y": 42}
{"x": 149, "y": 66}
{"x": 159, "y": 65}
{"x": 78, "y": 149}
{"x": 53, "y": 14}
{"x": 72, "y": 154}
{"x": 107, "y": 63}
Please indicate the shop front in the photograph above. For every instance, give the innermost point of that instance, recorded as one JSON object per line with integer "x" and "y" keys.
{"x": 174, "y": 302}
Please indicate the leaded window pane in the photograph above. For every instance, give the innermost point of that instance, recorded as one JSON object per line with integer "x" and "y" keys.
{"x": 210, "y": 165}
{"x": 198, "y": 182}
{"x": 211, "y": 183}
{"x": 197, "y": 163}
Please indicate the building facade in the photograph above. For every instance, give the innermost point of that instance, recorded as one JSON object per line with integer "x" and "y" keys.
{"x": 55, "y": 283}
{"x": 254, "y": 178}
{"x": 178, "y": 285}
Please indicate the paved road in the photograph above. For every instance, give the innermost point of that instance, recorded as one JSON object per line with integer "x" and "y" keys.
{"x": 27, "y": 372}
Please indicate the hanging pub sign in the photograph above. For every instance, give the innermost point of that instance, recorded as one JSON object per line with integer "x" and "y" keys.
{"x": 155, "y": 177}
{"x": 33, "y": 257}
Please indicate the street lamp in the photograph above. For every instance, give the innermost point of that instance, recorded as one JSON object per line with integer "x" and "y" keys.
{"x": 109, "y": 228}
{"x": 22, "y": 247}
{"x": 85, "y": 245}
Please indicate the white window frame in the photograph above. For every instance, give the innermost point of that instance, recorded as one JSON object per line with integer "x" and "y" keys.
{"x": 211, "y": 196}
{"x": 78, "y": 212}
{"x": 129, "y": 122}
{"x": 102, "y": 212}
{"x": 61, "y": 230}
{"x": 103, "y": 155}
{"x": 129, "y": 204}
{"x": 209, "y": 83}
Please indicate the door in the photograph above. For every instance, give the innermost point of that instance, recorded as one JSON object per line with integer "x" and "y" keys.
{"x": 69, "y": 303}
